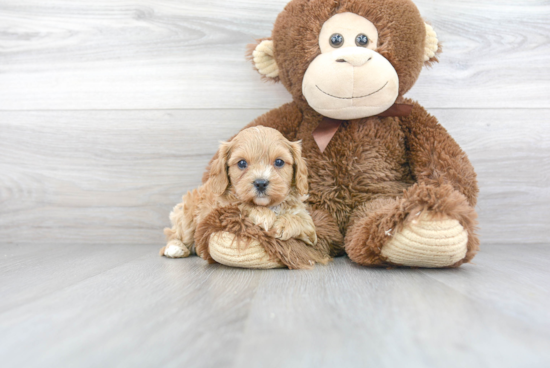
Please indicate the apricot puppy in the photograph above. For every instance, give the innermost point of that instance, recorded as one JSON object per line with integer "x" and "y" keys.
{"x": 260, "y": 171}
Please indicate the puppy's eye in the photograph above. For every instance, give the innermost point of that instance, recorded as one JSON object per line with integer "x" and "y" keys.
{"x": 242, "y": 164}
{"x": 361, "y": 40}
{"x": 279, "y": 163}
{"x": 336, "y": 40}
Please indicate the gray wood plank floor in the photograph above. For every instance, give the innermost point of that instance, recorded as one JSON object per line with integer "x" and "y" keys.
{"x": 102, "y": 305}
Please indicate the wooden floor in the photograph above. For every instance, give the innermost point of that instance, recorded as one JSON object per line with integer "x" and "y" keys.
{"x": 99, "y": 306}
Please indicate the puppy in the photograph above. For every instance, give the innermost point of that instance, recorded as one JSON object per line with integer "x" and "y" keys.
{"x": 260, "y": 171}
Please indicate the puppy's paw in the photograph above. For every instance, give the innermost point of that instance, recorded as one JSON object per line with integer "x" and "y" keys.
{"x": 286, "y": 228}
{"x": 283, "y": 229}
{"x": 175, "y": 249}
{"x": 262, "y": 217}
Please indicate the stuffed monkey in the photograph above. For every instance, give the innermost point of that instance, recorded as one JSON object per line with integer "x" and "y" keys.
{"x": 384, "y": 175}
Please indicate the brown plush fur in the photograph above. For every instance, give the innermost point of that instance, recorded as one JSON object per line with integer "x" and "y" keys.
{"x": 278, "y": 213}
{"x": 376, "y": 173}
{"x": 438, "y": 202}
{"x": 294, "y": 253}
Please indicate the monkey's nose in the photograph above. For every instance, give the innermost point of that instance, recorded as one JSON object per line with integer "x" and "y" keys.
{"x": 356, "y": 56}
{"x": 261, "y": 185}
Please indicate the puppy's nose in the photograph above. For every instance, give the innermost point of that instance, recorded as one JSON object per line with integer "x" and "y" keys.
{"x": 261, "y": 185}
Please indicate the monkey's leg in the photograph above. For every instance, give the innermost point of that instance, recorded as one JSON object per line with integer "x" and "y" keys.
{"x": 227, "y": 237}
{"x": 431, "y": 227}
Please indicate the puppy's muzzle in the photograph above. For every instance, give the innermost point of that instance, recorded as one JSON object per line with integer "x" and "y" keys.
{"x": 261, "y": 185}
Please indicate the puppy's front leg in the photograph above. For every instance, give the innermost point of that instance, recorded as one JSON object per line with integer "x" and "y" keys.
{"x": 180, "y": 237}
{"x": 299, "y": 226}
{"x": 261, "y": 216}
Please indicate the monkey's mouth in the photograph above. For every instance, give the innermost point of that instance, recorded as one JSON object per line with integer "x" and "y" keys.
{"x": 351, "y": 98}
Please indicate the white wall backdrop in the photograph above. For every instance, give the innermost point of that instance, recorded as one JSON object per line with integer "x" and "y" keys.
{"x": 110, "y": 109}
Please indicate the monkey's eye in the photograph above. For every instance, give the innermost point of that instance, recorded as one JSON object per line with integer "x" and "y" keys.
{"x": 242, "y": 164}
{"x": 336, "y": 40}
{"x": 361, "y": 40}
{"x": 279, "y": 163}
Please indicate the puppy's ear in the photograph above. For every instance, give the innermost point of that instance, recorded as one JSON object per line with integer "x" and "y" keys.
{"x": 300, "y": 168}
{"x": 218, "y": 180}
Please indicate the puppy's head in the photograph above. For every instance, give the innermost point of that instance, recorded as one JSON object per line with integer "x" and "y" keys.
{"x": 261, "y": 167}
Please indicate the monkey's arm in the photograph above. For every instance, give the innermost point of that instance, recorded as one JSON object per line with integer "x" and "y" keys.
{"x": 434, "y": 157}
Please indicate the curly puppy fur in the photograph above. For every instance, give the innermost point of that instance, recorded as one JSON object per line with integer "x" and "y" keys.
{"x": 276, "y": 213}
{"x": 377, "y": 173}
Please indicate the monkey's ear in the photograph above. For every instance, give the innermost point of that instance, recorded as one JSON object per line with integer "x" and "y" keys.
{"x": 261, "y": 55}
{"x": 431, "y": 46}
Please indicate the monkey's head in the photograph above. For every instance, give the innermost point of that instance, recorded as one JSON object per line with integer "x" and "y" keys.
{"x": 347, "y": 59}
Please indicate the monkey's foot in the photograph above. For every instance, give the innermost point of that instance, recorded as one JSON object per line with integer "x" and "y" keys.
{"x": 427, "y": 243}
{"x": 225, "y": 249}
{"x": 175, "y": 249}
